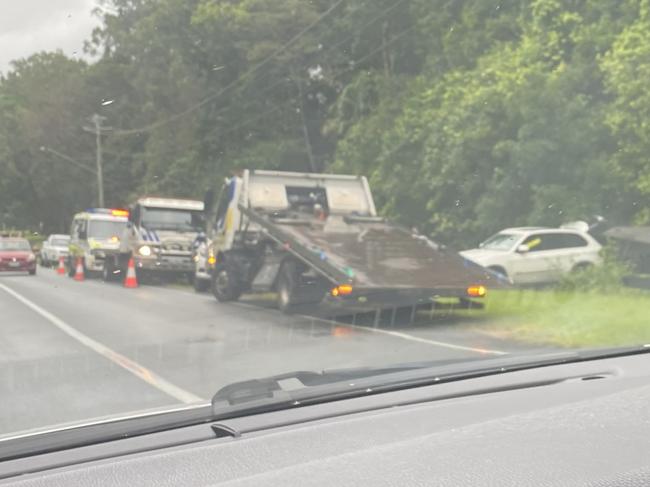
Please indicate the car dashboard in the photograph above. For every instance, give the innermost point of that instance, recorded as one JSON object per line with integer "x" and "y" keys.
{"x": 573, "y": 424}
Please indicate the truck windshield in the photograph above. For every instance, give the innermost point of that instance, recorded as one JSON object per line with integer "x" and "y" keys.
{"x": 104, "y": 229}
{"x": 500, "y": 241}
{"x": 168, "y": 219}
{"x": 60, "y": 242}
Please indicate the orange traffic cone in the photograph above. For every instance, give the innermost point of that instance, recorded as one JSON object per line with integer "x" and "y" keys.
{"x": 79, "y": 271}
{"x": 61, "y": 269}
{"x": 131, "y": 280}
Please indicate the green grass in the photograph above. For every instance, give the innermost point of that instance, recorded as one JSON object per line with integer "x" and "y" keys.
{"x": 568, "y": 319}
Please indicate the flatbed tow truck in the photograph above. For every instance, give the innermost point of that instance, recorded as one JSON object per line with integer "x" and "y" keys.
{"x": 316, "y": 239}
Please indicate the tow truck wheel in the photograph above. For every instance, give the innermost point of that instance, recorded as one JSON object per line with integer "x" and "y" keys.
{"x": 225, "y": 284}
{"x": 286, "y": 287}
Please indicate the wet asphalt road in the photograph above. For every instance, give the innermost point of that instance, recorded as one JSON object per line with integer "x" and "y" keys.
{"x": 72, "y": 351}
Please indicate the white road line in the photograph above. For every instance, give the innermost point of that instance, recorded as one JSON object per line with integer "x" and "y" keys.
{"x": 406, "y": 336}
{"x": 136, "y": 369}
{"x": 395, "y": 334}
{"x": 412, "y": 338}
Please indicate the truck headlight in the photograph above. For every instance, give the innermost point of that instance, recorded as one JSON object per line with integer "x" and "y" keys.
{"x": 145, "y": 251}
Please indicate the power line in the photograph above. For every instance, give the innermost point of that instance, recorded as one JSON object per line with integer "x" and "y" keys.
{"x": 394, "y": 39}
{"x": 328, "y": 49}
{"x": 367, "y": 24}
{"x": 284, "y": 80}
{"x": 354, "y": 64}
{"x": 251, "y": 71}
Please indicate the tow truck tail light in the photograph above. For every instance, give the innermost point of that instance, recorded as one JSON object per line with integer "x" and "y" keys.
{"x": 342, "y": 290}
{"x": 477, "y": 291}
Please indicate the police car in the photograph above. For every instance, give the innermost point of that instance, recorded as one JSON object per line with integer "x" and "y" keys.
{"x": 94, "y": 235}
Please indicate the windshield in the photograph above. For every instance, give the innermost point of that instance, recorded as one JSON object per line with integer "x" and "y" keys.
{"x": 60, "y": 242}
{"x": 305, "y": 185}
{"x": 165, "y": 219}
{"x": 105, "y": 230}
{"x": 14, "y": 245}
{"x": 501, "y": 241}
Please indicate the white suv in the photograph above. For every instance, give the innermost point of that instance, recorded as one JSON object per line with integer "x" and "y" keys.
{"x": 535, "y": 255}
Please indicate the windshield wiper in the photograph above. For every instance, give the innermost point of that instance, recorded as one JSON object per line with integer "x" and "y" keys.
{"x": 279, "y": 386}
{"x": 301, "y": 388}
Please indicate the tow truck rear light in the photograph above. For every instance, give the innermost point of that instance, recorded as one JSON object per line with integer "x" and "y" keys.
{"x": 476, "y": 291}
{"x": 342, "y": 290}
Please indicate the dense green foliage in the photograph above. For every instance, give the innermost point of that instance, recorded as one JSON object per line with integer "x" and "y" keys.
{"x": 467, "y": 115}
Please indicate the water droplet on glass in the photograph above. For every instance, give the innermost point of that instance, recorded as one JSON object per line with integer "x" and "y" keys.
{"x": 315, "y": 72}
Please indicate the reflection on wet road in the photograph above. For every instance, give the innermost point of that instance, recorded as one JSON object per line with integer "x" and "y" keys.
{"x": 71, "y": 351}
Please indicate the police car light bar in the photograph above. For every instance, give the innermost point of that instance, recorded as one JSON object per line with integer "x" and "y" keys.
{"x": 108, "y": 211}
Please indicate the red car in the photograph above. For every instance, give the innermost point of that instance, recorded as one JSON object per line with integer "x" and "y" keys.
{"x": 16, "y": 255}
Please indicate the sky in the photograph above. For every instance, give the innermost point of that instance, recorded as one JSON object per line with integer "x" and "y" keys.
{"x": 30, "y": 26}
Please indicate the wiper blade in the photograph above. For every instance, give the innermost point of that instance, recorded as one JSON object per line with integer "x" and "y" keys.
{"x": 280, "y": 386}
{"x": 307, "y": 387}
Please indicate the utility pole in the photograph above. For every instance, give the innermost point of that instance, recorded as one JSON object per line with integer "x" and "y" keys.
{"x": 305, "y": 129}
{"x": 97, "y": 129}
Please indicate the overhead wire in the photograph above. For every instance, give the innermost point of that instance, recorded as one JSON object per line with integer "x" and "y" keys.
{"x": 284, "y": 80}
{"x": 235, "y": 82}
